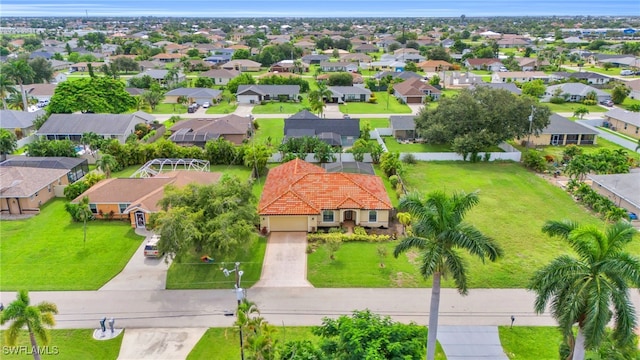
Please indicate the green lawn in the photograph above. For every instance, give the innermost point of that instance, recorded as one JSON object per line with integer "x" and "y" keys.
{"x": 46, "y": 252}
{"x": 556, "y": 151}
{"x": 514, "y": 204}
{"x": 269, "y": 130}
{"x": 222, "y": 108}
{"x": 276, "y": 107}
{"x": 170, "y": 109}
{"x": 375, "y": 122}
{"x": 394, "y": 146}
{"x": 530, "y": 342}
{"x": 224, "y": 343}
{"x": 386, "y": 104}
{"x": 69, "y": 345}
{"x": 126, "y": 172}
{"x": 629, "y": 101}
{"x": 570, "y": 107}
{"x": 195, "y": 274}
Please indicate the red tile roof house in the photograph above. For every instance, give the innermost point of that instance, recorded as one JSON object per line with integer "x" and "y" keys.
{"x": 299, "y": 196}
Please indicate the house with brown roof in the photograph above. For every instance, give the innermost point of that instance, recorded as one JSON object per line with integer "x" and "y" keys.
{"x": 414, "y": 91}
{"x": 242, "y": 65}
{"x": 355, "y": 57}
{"x": 24, "y": 189}
{"x": 299, "y": 196}
{"x": 196, "y": 132}
{"x": 434, "y": 65}
{"x": 137, "y": 198}
{"x": 220, "y": 76}
{"x": 167, "y": 58}
{"x": 490, "y": 64}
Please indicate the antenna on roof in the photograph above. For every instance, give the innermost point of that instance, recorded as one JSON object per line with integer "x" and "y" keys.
{"x": 86, "y": 13}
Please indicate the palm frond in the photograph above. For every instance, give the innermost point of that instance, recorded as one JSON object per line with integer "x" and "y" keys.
{"x": 624, "y": 316}
{"x": 597, "y": 314}
{"x": 456, "y": 266}
{"x": 409, "y": 243}
{"x": 431, "y": 260}
{"x": 471, "y": 239}
{"x": 559, "y": 228}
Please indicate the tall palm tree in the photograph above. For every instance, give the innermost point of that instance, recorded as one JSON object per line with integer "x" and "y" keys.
{"x": 20, "y": 72}
{"x": 17, "y": 102}
{"x": 107, "y": 163}
{"x": 438, "y": 230}
{"x": 6, "y": 89}
{"x": 35, "y": 318}
{"x": 585, "y": 289}
{"x": 84, "y": 213}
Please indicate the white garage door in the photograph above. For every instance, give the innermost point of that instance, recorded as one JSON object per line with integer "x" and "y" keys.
{"x": 288, "y": 223}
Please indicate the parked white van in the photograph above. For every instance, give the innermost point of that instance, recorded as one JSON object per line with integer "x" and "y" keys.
{"x": 626, "y": 72}
{"x": 151, "y": 247}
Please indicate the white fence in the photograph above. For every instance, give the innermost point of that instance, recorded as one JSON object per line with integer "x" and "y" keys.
{"x": 340, "y": 157}
{"x": 27, "y": 140}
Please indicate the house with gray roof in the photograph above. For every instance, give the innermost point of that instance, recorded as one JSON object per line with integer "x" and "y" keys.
{"x": 562, "y": 131}
{"x": 342, "y": 94}
{"x": 193, "y": 95}
{"x": 623, "y": 121}
{"x": 76, "y": 167}
{"x": 590, "y": 77}
{"x": 254, "y": 94}
{"x": 622, "y": 189}
{"x": 403, "y": 126}
{"x": 331, "y": 66}
{"x": 196, "y": 132}
{"x": 109, "y": 126}
{"x": 315, "y": 59}
{"x": 220, "y": 76}
{"x": 159, "y": 75}
{"x": 335, "y": 132}
{"x": 404, "y": 75}
{"x": 575, "y": 92}
{"x": 511, "y": 87}
{"x": 23, "y": 120}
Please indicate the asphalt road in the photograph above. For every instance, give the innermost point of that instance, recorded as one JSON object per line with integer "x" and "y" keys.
{"x": 288, "y": 306}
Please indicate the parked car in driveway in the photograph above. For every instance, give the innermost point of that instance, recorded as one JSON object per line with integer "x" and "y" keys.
{"x": 608, "y": 103}
{"x": 151, "y": 247}
{"x": 206, "y": 104}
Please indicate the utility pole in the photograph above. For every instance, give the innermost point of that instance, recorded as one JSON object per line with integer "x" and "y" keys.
{"x": 239, "y": 296}
{"x": 533, "y": 110}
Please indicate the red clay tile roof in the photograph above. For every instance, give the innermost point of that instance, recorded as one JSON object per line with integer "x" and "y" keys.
{"x": 300, "y": 188}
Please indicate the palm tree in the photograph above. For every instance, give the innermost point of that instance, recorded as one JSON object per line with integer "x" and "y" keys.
{"x": 20, "y": 72}
{"x": 6, "y": 89}
{"x": 106, "y": 163}
{"x": 21, "y": 313}
{"x": 84, "y": 213}
{"x": 438, "y": 230}
{"x": 17, "y": 102}
{"x": 8, "y": 143}
{"x": 585, "y": 289}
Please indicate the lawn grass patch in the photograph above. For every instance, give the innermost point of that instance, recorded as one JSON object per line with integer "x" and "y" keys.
{"x": 169, "y": 108}
{"x": 192, "y": 273}
{"x": 530, "y": 342}
{"x": 276, "y": 107}
{"x": 222, "y": 108}
{"x": 46, "y": 252}
{"x": 557, "y": 150}
{"x": 70, "y": 345}
{"x": 514, "y": 204}
{"x": 386, "y": 104}
{"x": 375, "y": 122}
{"x": 126, "y": 172}
{"x": 571, "y": 107}
{"x": 269, "y": 131}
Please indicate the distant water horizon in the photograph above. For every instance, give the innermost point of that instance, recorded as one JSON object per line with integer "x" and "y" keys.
{"x": 317, "y": 9}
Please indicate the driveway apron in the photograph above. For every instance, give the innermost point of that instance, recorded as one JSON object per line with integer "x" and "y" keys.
{"x": 285, "y": 261}
{"x": 471, "y": 342}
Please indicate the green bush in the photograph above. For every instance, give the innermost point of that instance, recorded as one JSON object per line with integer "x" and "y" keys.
{"x": 340, "y": 237}
{"x": 557, "y": 100}
{"x": 534, "y": 160}
{"x": 359, "y": 230}
{"x": 409, "y": 158}
{"x": 589, "y": 102}
{"x": 393, "y": 179}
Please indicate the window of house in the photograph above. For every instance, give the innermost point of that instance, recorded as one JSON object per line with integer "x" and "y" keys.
{"x": 93, "y": 208}
{"x": 122, "y": 207}
{"x": 373, "y": 216}
{"x": 637, "y": 128}
{"x": 625, "y": 126}
{"x": 49, "y": 187}
{"x": 327, "y": 216}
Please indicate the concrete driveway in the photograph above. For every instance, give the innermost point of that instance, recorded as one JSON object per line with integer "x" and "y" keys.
{"x": 285, "y": 261}
{"x": 159, "y": 343}
{"x": 140, "y": 273}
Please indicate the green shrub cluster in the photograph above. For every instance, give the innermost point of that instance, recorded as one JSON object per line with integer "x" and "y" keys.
{"x": 596, "y": 202}
{"x": 534, "y": 160}
{"x": 340, "y": 237}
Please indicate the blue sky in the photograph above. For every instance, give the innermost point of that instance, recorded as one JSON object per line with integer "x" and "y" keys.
{"x": 318, "y": 8}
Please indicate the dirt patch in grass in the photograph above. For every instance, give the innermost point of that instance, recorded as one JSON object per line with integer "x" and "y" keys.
{"x": 402, "y": 279}
{"x": 412, "y": 256}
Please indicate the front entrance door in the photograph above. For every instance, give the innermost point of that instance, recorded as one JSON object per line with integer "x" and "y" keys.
{"x": 140, "y": 222}
{"x": 348, "y": 215}
{"x": 555, "y": 139}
